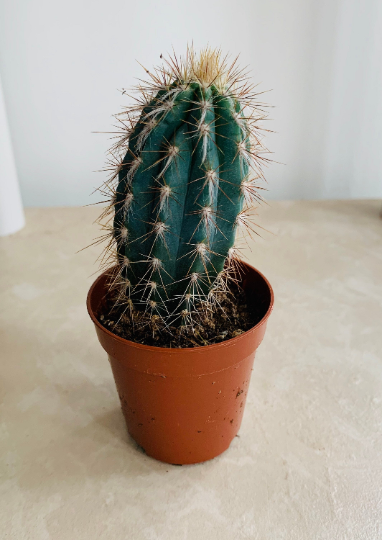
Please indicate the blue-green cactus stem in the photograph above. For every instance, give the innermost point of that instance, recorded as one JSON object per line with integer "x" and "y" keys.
{"x": 134, "y": 244}
{"x": 233, "y": 170}
{"x": 168, "y": 213}
{"x": 198, "y": 227}
{"x": 179, "y": 195}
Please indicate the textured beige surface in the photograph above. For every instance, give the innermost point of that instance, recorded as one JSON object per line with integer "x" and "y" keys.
{"x": 308, "y": 463}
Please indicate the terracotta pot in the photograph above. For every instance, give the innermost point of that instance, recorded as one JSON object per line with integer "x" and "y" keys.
{"x": 184, "y": 405}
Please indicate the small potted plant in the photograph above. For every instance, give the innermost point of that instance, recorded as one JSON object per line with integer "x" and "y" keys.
{"x": 177, "y": 311}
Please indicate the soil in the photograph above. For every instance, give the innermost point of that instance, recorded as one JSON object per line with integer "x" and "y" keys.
{"x": 231, "y": 318}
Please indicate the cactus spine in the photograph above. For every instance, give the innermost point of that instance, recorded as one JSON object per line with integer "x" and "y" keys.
{"x": 191, "y": 162}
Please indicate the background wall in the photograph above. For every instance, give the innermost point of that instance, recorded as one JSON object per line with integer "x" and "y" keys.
{"x": 62, "y": 63}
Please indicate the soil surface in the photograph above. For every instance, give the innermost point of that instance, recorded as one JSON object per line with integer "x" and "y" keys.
{"x": 230, "y": 318}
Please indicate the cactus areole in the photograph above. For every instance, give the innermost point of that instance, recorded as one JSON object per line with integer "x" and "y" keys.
{"x": 189, "y": 167}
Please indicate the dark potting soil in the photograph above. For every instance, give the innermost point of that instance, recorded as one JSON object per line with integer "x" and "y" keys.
{"x": 230, "y": 318}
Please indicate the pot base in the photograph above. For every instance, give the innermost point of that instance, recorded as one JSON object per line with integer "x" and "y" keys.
{"x": 180, "y": 464}
{"x": 205, "y": 416}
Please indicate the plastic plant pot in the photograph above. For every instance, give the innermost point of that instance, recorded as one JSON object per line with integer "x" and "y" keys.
{"x": 184, "y": 405}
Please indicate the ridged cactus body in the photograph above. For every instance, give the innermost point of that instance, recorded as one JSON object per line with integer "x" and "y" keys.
{"x": 181, "y": 189}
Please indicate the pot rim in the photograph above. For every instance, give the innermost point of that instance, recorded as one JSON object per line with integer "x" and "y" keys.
{"x": 182, "y": 350}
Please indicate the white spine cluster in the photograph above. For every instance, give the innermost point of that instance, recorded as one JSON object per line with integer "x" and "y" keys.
{"x": 160, "y": 229}
{"x": 250, "y": 191}
{"x": 207, "y": 216}
{"x": 164, "y": 194}
{"x": 213, "y": 181}
{"x": 171, "y": 154}
{"x": 127, "y": 204}
{"x": 204, "y": 130}
{"x": 146, "y": 130}
{"x": 132, "y": 169}
{"x": 125, "y": 262}
{"x": 205, "y": 106}
{"x": 123, "y": 234}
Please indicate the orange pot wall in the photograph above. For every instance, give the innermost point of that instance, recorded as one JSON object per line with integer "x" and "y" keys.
{"x": 184, "y": 405}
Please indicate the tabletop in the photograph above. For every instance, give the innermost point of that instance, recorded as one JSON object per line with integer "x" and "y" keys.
{"x": 307, "y": 463}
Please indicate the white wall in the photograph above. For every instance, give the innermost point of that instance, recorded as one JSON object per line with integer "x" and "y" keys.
{"x": 62, "y": 63}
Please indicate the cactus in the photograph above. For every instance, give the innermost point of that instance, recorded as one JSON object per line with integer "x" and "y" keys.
{"x": 191, "y": 160}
